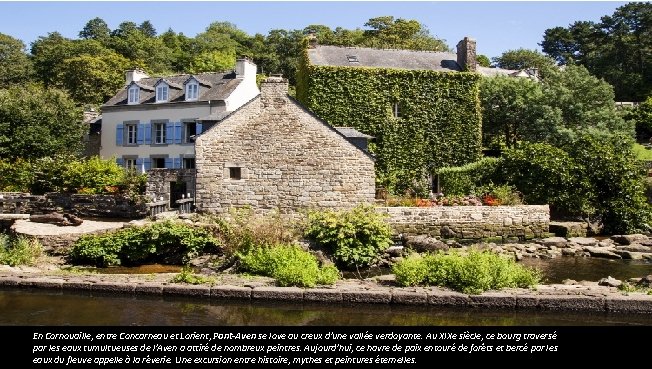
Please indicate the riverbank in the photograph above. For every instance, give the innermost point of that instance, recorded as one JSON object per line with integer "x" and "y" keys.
{"x": 579, "y": 297}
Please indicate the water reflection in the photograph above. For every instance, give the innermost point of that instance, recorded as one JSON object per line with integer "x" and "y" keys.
{"x": 38, "y": 307}
{"x": 588, "y": 269}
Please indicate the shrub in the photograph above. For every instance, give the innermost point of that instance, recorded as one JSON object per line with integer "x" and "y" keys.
{"x": 493, "y": 194}
{"x": 188, "y": 276}
{"x": 169, "y": 242}
{"x": 93, "y": 175}
{"x": 290, "y": 265}
{"x": 19, "y": 251}
{"x": 463, "y": 180}
{"x": 356, "y": 237}
{"x": 472, "y": 273}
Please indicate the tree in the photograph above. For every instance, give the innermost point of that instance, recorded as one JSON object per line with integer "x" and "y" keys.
{"x": 95, "y": 29}
{"x": 513, "y": 110}
{"x": 483, "y": 61}
{"x": 147, "y": 29}
{"x": 387, "y": 32}
{"x": 523, "y": 59}
{"x": 642, "y": 118}
{"x": 48, "y": 52}
{"x": 37, "y": 122}
{"x": 15, "y": 66}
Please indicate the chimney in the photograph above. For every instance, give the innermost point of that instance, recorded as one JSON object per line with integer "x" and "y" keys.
{"x": 134, "y": 75}
{"x": 466, "y": 57}
{"x": 312, "y": 39}
{"x": 274, "y": 90}
{"x": 244, "y": 68}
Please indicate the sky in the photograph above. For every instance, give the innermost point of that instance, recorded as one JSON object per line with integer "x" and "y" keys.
{"x": 497, "y": 26}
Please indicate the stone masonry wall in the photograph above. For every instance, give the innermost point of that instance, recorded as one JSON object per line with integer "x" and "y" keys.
{"x": 288, "y": 160}
{"x": 470, "y": 222}
{"x": 158, "y": 182}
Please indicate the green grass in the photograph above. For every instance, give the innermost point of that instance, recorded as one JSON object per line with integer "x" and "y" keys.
{"x": 19, "y": 251}
{"x": 642, "y": 153}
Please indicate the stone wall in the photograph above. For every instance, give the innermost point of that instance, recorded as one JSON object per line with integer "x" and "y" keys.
{"x": 159, "y": 183}
{"x": 103, "y": 206}
{"x": 471, "y": 222}
{"x": 272, "y": 154}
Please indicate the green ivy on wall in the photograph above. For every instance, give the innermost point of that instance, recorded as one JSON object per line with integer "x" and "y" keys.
{"x": 439, "y": 124}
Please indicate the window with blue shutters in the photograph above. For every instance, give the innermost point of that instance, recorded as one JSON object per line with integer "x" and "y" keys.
{"x": 177, "y": 132}
{"x": 147, "y": 163}
{"x": 120, "y": 162}
{"x": 140, "y": 134}
{"x": 119, "y": 134}
{"x": 189, "y": 131}
{"x": 169, "y": 133}
{"x": 168, "y": 163}
{"x": 148, "y": 134}
{"x": 177, "y": 163}
{"x": 160, "y": 133}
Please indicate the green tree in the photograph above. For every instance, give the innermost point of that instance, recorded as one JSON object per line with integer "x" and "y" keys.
{"x": 95, "y": 29}
{"x": 483, "y": 61}
{"x": 642, "y": 118}
{"x": 47, "y": 53}
{"x": 37, "y": 122}
{"x": 387, "y": 32}
{"x": 147, "y": 29}
{"x": 523, "y": 59}
{"x": 15, "y": 66}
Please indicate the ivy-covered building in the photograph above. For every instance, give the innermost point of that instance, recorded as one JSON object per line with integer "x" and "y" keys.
{"x": 422, "y": 107}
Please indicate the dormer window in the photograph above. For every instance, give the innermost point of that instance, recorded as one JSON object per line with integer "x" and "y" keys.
{"x": 162, "y": 92}
{"x": 192, "y": 91}
{"x": 134, "y": 95}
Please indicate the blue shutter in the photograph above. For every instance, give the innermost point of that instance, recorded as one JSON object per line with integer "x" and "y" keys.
{"x": 177, "y": 163}
{"x": 148, "y": 133}
{"x": 198, "y": 128}
{"x": 177, "y": 132}
{"x": 140, "y": 134}
{"x": 139, "y": 165}
{"x": 120, "y": 162}
{"x": 148, "y": 163}
{"x": 169, "y": 133}
{"x": 119, "y": 134}
{"x": 168, "y": 163}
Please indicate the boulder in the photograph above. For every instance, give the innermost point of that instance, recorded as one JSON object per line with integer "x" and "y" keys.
{"x": 629, "y": 255}
{"x": 634, "y": 248}
{"x": 610, "y": 282}
{"x": 583, "y": 241}
{"x": 59, "y": 219}
{"x": 645, "y": 281}
{"x": 554, "y": 242}
{"x": 601, "y": 252}
{"x": 424, "y": 243}
{"x": 628, "y": 239}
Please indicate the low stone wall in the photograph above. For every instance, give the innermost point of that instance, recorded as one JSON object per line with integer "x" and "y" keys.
{"x": 471, "y": 222}
{"x": 159, "y": 184}
{"x": 103, "y": 206}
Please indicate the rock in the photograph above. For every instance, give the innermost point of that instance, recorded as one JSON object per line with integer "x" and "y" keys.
{"x": 629, "y": 255}
{"x": 610, "y": 282}
{"x": 395, "y": 250}
{"x": 605, "y": 243}
{"x": 424, "y": 243}
{"x": 569, "y": 282}
{"x": 568, "y": 252}
{"x": 554, "y": 242}
{"x": 601, "y": 252}
{"x": 518, "y": 256}
{"x": 583, "y": 241}
{"x": 628, "y": 239}
{"x": 568, "y": 229}
{"x": 635, "y": 248}
{"x": 58, "y": 219}
{"x": 645, "y": 281}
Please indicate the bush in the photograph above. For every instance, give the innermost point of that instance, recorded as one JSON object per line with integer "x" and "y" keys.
{"x": 187, "y": 276}
{"x": 93, "y": 176}
{"x": 288, "y": 264}
{"x": 493, "y": 194}
{"x": 356, "y": 237}
{"x": 168, "y": 242}
{"x": 463, "y": 180}
{"x": 472, "y": 273}
{"x": 19, "y": 251}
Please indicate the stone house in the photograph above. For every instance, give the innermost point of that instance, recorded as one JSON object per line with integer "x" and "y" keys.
{"x": 273, "y": 154}
{"x": 152, "y": 122}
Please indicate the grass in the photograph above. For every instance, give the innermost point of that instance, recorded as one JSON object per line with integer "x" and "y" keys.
{"x": 19, "y": 251}
{"x": 189, "y": 277}
{"x": 642, "y": 153}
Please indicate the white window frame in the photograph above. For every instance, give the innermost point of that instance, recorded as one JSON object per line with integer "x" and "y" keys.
{"x": 186, "y": 136}
{"x": 130, "y": 163}
{"x": 134, "y": 95}
{"x": 396, "y": 110}
{"x": 158, "y": 133}
{"x": 162, "y": 93}
{"x": 131, "y": 134}
{"x": 192, "y": 91}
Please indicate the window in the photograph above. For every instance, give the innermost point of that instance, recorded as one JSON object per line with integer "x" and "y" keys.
{"x": 134, "y": 95}
{"x": 396, "y": 110}
{"x": 192, "y": 91}
{"x": 130, "y": 163}
{"x": 162, "y": 93}
{"x": 159, "y": 133}
{"x": 188, "y": 163}
{"x": 158, "y": 163}
{"x": 189, "y": 130}
{"x": 235, "y": 173}
{"x": 131, "y": 134}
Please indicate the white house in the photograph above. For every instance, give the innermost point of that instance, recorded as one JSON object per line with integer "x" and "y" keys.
{"x": 152, "y": 121}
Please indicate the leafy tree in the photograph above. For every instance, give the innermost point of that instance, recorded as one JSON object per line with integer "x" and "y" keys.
{"x": 47, "y": 53}
{"x": 387, "y": 32}
{"x": 483, "y": 61}
{"x": 212, "y": 61}
{"x": 95, "y": 29}
{"x": 147, "y": 29}
{"x": 523, "y": 59}
{"x": 642, "y": 118}
{"x": 15, "y": 66}
{"x": 37, "y": 122}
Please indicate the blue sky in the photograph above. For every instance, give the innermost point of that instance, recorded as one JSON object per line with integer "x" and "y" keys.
{"x": 497, "y": 26}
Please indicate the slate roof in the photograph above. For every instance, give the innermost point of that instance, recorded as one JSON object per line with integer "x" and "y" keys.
{"x": 350, "y": 132}
{"x": 217, "y": 116}
{"x": 214, "y": 86}
{"x": 383, "y": 58}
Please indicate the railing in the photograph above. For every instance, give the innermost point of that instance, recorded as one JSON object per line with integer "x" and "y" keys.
{"x": 157, "y": 207}
{"x": 185, "y": 205}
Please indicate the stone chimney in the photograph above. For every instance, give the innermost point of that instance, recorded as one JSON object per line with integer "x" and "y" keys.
{"x": 274, "y": 91}
{"x": 312, "y": 39}
{"x": 466, "y": 57}
{"x": 244, "y": 68}
{"x": 134, "y": 75}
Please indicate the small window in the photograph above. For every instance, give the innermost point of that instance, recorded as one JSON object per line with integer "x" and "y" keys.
{"x": 130, "y": 163}
{"x": 132, "y": 134}
{"x": 190, "y": 130}
{"x": 162, "y": 93}
{"x": 188, "y": 163}
{"x": 134, "y": 95}
{"x": 159, "y": 133}
{"x": 352, "y": 59}
{"x": 235, "y": 173}
{"x": 158, "y": 163}
{"x": 396, "y": 110}
{"x": 192, "y": 91}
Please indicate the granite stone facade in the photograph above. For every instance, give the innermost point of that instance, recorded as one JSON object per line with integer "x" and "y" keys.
{"x": 471, "y": 222}
{"x": 273, "y": 154}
